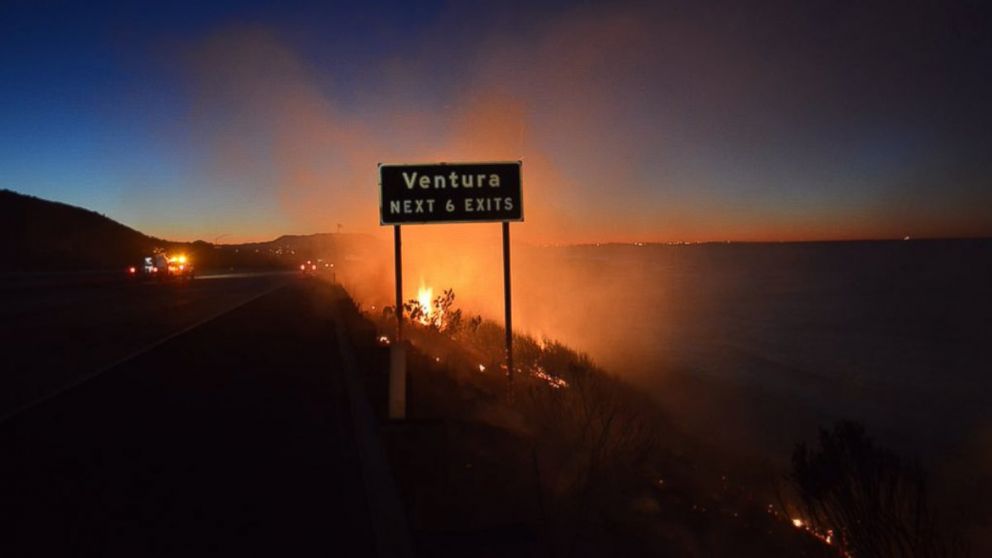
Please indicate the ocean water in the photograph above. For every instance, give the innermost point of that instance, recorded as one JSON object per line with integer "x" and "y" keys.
{"x": 758, "y": 345}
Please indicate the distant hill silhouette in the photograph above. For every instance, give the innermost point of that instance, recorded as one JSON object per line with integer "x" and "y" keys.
{"x": 316, "y": 245}
{"x": 42, "y": 235}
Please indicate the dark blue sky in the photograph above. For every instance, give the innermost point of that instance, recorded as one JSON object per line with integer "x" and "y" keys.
{"x": 634, "y": 120}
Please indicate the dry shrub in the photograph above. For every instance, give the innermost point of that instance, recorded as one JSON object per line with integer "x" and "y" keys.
{"x": 873, "y": 502}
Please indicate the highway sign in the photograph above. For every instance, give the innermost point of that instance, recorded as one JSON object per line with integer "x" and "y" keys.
{"x": 450, "y": 193}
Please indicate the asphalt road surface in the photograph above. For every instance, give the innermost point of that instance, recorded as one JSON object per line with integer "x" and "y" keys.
{"x": 233, "y": 438}
{"x": 54, "y": 334}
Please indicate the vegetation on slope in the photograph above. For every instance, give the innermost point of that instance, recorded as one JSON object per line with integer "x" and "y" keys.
{"x": 571, "y": 462}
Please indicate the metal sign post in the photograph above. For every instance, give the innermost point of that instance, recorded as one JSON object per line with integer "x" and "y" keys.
{"x": 446, "y": 193}
{"x": 398, "y": 257}
{"x": 397, "y": 351}
{"x": 507, "y": 307}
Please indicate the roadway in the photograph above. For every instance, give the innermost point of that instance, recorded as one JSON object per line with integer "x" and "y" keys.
{"x": 233, "y": 437}
{"x": 58, "y": 331}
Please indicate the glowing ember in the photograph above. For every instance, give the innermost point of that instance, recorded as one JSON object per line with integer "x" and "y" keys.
{"x": 827, "y": 537}
{"x": 482, "y": 368}
{"x": 553, "y": 381}
{"x": 383, "y": 340}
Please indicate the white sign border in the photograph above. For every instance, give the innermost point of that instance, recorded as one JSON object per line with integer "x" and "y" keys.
{"x": 519, "y": 164}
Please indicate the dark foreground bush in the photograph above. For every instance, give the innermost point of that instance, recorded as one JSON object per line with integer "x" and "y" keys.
{"x": 874, "y": 503}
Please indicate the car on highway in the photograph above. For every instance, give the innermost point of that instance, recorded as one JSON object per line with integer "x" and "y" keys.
{"x": 162, "y": 266}
{"x": 311, "y": 267}
{"x": 308, "y": 267}
{"x": 179, "y": 267}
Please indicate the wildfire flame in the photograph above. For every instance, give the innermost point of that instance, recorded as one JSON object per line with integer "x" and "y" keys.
{"x": 427, "y": 311}
{"x": 425, "y": 297}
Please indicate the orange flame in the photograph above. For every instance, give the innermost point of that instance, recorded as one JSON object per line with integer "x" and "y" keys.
{"x": 425, "y": 297}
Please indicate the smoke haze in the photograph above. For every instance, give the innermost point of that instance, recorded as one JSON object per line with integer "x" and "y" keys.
{"x": 634, "y": 123}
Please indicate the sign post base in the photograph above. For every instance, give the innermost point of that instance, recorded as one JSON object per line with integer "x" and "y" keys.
{"x": 397, "y": 381}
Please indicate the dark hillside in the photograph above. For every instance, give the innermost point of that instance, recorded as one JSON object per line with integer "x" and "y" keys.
{"x": 42, "y": 235}
{"x": 328, "y": 246}
{"x": 38, "y": 235}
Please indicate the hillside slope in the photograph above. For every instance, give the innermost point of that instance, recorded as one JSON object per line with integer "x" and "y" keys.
{"x": 42, "y": 235}
{"x": 38, "y": 235}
